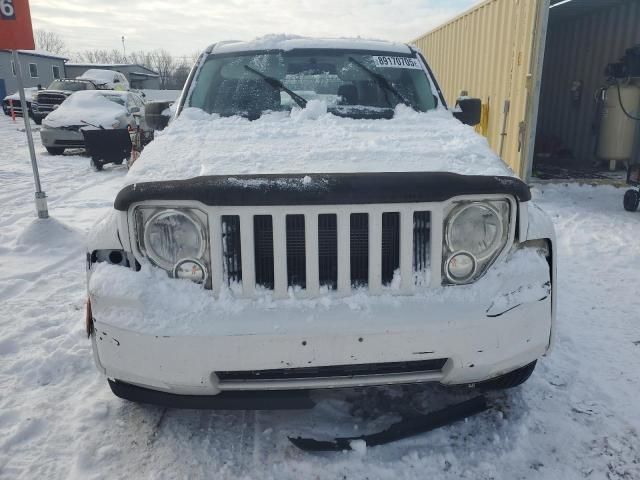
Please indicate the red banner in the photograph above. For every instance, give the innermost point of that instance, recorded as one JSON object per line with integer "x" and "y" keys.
{"x": 16, "y": 32}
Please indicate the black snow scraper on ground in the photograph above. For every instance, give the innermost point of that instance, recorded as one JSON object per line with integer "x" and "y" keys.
{"x": 405, "y": 428}
{"x": 107, "y": 145}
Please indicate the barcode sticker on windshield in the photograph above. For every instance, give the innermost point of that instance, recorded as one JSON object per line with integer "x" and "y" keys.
{"x": 396, "y": 62}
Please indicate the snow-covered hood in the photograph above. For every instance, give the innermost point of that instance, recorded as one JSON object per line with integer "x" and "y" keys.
{"x": 85, "y": 106}
{"x": 313, "y": 141}
{"x": 28, "y": 94}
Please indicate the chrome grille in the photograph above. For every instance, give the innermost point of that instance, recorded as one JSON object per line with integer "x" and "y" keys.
{"x": 51, "y": 98}
{"x": 341, "y": 251}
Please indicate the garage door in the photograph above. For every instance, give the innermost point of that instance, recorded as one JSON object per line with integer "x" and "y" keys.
{"x": 494, "y": 51}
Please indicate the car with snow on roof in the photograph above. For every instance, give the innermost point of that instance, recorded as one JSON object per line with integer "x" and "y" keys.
{"x": 90, "y": 109}
{"x": 12, "y": 102}
{"x": 47, "y": 100}
{"x": 105, "y": 79}
{"x": 315, "y": 216}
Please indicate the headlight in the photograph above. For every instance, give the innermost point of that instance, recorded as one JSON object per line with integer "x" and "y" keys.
{"x": 475, "y": 233}
{"x": 170, "y": 236}
{"x": 476, "y": 228}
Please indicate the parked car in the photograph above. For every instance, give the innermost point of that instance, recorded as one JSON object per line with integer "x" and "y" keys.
{"x": 46, "y": 101}
{"x": 15, "y": 98}
{"x": 106, "y": 79}
{"x": 107, "y": 109}
{"x": 315, "y": 216}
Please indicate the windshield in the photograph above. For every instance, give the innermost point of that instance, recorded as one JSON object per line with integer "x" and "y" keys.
{"x": 70, "y": 86}
{"x": 353, "y": 84}
{"x": 120, "y": 100}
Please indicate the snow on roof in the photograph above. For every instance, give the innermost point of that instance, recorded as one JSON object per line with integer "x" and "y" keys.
{"x": 142, "y": 74}
{"x": 289, "y": 42}
{"x": 40, "y": 53}
{"x": 98, "y": 74}
{"x": 307, "y": 142}
{"x": 28, "y": 93}
{"x": 92, "y": 106}
{"x": 114, "y": 65}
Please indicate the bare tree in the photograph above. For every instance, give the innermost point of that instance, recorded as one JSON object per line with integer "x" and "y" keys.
{"x": 100, "y": 56}
{"x": 172, "y": 71}
{"x": 179, "y": 76}
{"x": 50, "y": 41}
{"x": 164, "y": 64}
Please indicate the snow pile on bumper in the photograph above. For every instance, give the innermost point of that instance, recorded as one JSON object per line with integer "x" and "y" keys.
{"x": 151, "y": 302}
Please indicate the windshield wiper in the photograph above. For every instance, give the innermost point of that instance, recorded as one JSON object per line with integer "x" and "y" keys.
{"x": 382, "y": 82}
{"x": 275, "y": 83}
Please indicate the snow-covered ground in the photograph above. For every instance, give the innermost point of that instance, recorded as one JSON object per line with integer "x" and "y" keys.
{"x": 576, "y": 418}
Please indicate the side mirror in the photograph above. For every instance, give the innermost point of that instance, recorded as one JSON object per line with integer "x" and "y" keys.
{"x": 470, "y": 110}
{"x": 154, "y": 115}
{"x": 134, "y": 109}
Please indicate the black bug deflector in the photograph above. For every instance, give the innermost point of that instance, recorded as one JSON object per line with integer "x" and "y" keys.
{"x": 322, "y": 189}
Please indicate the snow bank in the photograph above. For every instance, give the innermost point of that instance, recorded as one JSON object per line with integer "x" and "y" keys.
{"x": 89, "y": 106}
{"x": 313, "y": 141}
{"x": 576, "y": 418}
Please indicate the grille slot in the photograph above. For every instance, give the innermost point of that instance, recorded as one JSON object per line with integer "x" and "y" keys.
{"x": 390, "y": 245}
{"x": 51, "y": 98}
{"x": 296, "y": 259}
{"x": 335, "y": 371}
{"x": 421, "y": 241}
{"x": 359, "y": 239}
{"x": 231, "y": 249}
{"x": 263, "y": 250}
{"x": 328, "y": 250}
{"x": 70, "y": 143}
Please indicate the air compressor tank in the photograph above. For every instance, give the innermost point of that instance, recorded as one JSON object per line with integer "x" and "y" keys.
{"x": 617, "y": 130}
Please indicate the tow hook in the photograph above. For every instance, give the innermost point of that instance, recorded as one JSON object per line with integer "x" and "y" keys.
{"x": 405, "y": 428}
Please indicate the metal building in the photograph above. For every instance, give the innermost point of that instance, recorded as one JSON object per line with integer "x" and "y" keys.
{"x": 139, "y": 76}
{"x": 536, "y": 65}
{"x": 38, "y": 68}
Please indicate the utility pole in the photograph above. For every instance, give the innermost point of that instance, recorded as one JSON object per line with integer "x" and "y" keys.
{"x": 124, "y": 49}
{"x": 16, "y": 33}
{"x": 41, "y": 197}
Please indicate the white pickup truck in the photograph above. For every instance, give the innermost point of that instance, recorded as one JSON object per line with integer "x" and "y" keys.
{"x": 315, "y": 216}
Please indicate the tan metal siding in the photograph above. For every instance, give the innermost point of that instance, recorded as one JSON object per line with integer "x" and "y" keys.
{"x": 492, "y": 51}
{"x": 579, "y": 49}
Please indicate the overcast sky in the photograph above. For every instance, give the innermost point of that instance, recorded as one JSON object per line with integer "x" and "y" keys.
{"x": 186, "y": 26}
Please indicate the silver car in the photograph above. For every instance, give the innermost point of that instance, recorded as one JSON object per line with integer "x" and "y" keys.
{"x": 107, "y": 109}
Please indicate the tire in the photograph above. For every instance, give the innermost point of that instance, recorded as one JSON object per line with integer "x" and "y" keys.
{"x": 631, "y": 200}
{"x": 509, "y": 380}
{"x": 97, "y": 164}
{"x": 55, "y": 150}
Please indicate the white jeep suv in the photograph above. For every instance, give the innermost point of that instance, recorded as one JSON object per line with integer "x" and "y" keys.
{"x": 315, "y": 216}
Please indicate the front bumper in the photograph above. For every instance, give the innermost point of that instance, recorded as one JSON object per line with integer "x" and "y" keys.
{"x": 479, "y": 332}
{"x": 58, "y": 137}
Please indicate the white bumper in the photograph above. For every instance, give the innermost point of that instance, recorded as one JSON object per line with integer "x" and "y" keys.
{"x": 495, "y": 326}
